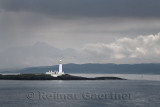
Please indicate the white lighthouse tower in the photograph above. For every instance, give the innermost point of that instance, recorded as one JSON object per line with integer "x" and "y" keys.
{"x": 60, "y": 67}
{"x": 56, "y": 73}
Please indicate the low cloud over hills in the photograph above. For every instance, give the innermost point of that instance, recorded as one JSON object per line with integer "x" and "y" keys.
{"x": 141, "y": 49}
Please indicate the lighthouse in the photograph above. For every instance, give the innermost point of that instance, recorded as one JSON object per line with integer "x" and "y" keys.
{"x": 60, "y": 67}
{"x": 56, "y": 73}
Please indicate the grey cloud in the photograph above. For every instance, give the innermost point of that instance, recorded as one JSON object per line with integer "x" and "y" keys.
{"x": 86, "y": 8}
{"x": 68, "y": 25}
{"x": 39, "y": 54}
{"x": 127, "y": 50}
{"x": 124, "y": 50}
{"x": 23, "y": 28}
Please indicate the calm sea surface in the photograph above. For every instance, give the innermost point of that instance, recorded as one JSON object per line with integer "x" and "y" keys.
{"x": 107, "y": 93}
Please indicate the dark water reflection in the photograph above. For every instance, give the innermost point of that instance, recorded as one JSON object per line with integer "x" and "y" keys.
{"x": 113, "y": 93}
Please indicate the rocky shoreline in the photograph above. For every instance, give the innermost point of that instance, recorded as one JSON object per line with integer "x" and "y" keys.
{"x": 48, "y": 77}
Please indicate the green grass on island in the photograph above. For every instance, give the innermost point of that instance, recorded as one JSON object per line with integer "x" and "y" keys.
{"x": 49, "y": 77}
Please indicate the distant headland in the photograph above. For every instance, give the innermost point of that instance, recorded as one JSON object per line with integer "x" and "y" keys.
{"x": 49, "y": 77}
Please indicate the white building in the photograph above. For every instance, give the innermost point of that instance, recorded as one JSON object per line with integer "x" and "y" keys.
{"x": 56, "y": 73}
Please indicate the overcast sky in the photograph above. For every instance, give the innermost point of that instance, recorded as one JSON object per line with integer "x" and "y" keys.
{"x": 40, "y": 32}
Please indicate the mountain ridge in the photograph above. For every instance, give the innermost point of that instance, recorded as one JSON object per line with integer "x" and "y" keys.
{"x": 110, "y": 68}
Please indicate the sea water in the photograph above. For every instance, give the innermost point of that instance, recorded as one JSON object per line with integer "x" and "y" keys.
{"x": 79, "y": 93}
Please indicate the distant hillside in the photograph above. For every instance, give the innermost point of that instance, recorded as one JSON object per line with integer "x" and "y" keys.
{"x": 97, "y": 68}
